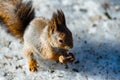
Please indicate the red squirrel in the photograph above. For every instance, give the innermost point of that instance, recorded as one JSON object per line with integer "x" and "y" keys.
{"x": 50, "y": 38}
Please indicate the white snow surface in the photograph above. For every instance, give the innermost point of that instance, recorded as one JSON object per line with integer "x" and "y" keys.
{"x": 96, "y": 43}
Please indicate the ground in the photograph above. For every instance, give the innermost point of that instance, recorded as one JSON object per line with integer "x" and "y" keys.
{"x": 95, "y": 25}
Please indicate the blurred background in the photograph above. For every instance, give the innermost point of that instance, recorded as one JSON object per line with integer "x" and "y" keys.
{"x": 95, "y": 25}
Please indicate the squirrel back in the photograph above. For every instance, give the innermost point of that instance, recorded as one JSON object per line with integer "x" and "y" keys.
{"x": 16, "y": 16}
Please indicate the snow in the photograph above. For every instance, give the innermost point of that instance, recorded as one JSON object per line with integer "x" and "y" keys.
{"x": 96, "y": 43}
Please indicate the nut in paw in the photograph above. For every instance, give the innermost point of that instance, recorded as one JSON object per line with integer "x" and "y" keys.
{"x": 62, "y": 59}
{"x": 68, "y": 58}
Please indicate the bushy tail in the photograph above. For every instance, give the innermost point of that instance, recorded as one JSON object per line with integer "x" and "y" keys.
{"x": 25, "y": 12}
{"x": 18, "y": 18}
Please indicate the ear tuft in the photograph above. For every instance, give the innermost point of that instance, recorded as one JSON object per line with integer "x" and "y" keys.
{"x": 59, "y": 17}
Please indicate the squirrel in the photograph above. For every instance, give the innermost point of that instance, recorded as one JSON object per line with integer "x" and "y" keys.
{"x": 49, "y": 38}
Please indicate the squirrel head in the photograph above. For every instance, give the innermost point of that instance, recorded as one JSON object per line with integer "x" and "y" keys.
{"x": 59, "y": 35}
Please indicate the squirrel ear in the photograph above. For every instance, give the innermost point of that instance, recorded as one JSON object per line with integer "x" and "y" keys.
{"x": 53, "y": 21}
{"x": 57, "y": 20}
{"x": 60, "y": 17}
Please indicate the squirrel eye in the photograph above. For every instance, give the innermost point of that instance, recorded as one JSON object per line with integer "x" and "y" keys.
{"x": 61, "y": 41}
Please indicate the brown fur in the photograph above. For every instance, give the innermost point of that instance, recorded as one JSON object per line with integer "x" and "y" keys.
{"x": 16, "y": 16}
{"x": 58, "y": 24}
{"x": 57, "y": 20}
{"x": 51, "y": 39}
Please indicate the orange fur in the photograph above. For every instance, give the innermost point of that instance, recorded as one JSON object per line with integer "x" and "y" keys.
{"x": 51, "y": 39}
{"x": 33, "y": 65}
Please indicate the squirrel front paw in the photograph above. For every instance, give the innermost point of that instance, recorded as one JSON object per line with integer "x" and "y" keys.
{"x": 33, "y": 65}
{"x": 68, "y": 58}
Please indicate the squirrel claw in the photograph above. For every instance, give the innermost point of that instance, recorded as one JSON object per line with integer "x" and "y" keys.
{"x": 70, "y": 58}
{"x": 33, "y": 65}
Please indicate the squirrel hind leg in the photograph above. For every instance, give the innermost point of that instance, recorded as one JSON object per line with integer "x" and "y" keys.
{"x": 32, "y": 63}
